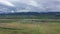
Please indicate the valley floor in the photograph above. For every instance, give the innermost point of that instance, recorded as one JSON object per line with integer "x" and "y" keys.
{"x": 29, "y": 26}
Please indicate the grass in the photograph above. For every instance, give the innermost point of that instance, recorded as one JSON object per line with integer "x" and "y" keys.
{"x": 23, "y": 26}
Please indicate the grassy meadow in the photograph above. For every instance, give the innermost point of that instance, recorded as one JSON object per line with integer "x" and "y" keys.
{"x": 29, "y": 26}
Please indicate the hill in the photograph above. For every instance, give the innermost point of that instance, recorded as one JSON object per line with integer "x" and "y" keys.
{"x": 31, "y": 15}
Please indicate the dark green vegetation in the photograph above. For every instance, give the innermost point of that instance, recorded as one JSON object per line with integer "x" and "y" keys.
{"x": 31, "y": 15}
{"x": 29, "y": 26}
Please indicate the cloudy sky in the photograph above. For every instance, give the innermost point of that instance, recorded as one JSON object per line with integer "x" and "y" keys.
{"x": 32, "y": 5}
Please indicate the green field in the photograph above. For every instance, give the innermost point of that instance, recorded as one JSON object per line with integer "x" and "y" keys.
{"x": 29, "y": 26}
{"x": 29, "y": 17}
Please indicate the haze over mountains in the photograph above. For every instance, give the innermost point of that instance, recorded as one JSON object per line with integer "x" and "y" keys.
{"x": 11, "y": 6}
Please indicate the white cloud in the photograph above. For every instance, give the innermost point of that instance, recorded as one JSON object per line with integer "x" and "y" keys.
{"x": 23, "y": 10}
{"x": 33, "y": 3}
{"x": 54, "y": 5}
{"x": 6, "y": 2}
{"x": 28, "y": 2}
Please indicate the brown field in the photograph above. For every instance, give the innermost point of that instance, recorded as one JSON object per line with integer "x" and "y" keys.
{"x": 30, "y": 27}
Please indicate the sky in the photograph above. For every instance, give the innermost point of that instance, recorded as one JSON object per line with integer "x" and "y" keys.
{"x": 6, "y": 2}
{"x": 42, "y": 5}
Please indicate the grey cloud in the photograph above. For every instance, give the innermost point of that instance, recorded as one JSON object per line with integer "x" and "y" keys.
{"x": 36, "y": 5}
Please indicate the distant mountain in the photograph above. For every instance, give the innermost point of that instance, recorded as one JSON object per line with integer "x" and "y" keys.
{"x": 33, "y": 13}
{"x": 30, "y": 15}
